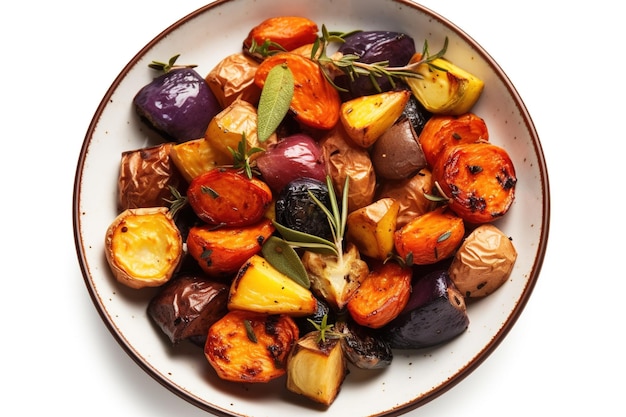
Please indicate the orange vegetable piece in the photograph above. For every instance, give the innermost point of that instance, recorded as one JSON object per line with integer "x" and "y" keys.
{"x": 222, "y": 251}
{"x": 290, "y": 32}
{"x": 479, "y": 179}
{"x": 430, "y": 238}
{"x": 226, "y": 197}
{"x": 315, "y": 101}
{"x": 382, "y": 295}
{"x": 441, "y": 132}
{"x": 250, "y": 347}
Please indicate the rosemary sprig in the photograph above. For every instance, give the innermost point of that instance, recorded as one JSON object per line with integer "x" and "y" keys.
{"x": 349, "y": 64}
{"x": 337, "y": 218}
{"x": 242, "y": 157}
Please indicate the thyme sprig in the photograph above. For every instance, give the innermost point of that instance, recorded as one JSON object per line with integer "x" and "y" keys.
{"x": 325, "y": 329}
{"x": 178, "y": 203}
{"x": 169, "y": 65}
{"x": 242, "y": 157}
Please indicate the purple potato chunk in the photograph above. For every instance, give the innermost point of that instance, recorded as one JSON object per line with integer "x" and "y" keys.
{"x": 374, "y": 47}
{"x": 435, "y": 314}
{"x": 178, "y": 104}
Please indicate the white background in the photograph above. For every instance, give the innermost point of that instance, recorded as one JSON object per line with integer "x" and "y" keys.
{"x": 564, "y": 356}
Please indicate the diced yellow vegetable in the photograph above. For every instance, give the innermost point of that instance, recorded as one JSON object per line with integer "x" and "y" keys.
{"x": 196, "y": 157}
{"x": 261, "y": 288}
{"x": 227, "y": 128}
{"x": 371, "y": 228}
{"x": 448, "y": 90}
{"x": 316, "y": 370}
{"x": 366, "y": 118}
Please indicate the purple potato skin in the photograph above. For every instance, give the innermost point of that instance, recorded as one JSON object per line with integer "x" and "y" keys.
{"x": 435, "y": 314}
{"x": 178, "y": 104}
{"x": 375, "y": 46}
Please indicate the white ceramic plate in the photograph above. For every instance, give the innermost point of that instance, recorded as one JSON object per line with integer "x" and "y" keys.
{"x": 205, "y": 37}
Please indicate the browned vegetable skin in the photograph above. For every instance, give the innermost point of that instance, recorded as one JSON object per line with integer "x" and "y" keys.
{"x": 244, "y": 346}
{"x": 145, "y": 177}
{"x": 233, "y": 78}
{"x": 143, "y": 247}
{"x": 316, "y": 369}
{"x": 483, "y": 262}
{"x": 411, "y": 194}
{"x": 187, "y": 306}
{"x": 345, "y": 159}
{"x": 397, "y": 153}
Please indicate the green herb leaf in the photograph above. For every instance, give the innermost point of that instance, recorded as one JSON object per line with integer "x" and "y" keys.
{"x": 274, "y": 101}
{"x": 250, "y": 331}
{"x": 281, "y": 255}
{"x": 305, "y": 240}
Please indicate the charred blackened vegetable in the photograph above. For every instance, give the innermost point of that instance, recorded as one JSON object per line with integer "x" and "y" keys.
{"x": 296, "y": 209}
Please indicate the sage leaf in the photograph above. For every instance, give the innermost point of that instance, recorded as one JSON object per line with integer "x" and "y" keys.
{"x": 274, "y": 101}
{"x": 284, "y": 258}
{"x": 305, "y": 240}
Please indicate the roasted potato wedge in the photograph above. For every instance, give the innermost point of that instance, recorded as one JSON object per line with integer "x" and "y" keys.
{"x": 366, "y": 118}
{"x": 371, "y": 228}
{"x": 316, "y": 369}
{"x": 483, "y": 262}
{"x": 145, "y": 177}
{"x": 233, "y": 78}
{"x": 196, "y": 157}
{"x": 143, "y": 247}
{"x": 444, "y": 87}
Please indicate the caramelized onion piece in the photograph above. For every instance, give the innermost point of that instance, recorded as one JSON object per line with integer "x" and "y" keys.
{"x": 143, "y": 247}
{"x": 483, "y": 262}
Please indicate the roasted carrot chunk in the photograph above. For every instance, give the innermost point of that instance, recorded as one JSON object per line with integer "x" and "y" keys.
{"x": 479, "y": 179}
{"x": 315, "y": 101}
{"x": 226, "y": 197}
{"x": 382, "y": 295}
{"x": 250, "y": 347}
{"x": 222, "y": 251}
{"x": 430, "y": 238}
{"x": 441, "y": 132}
{"x": 290, "y": 32}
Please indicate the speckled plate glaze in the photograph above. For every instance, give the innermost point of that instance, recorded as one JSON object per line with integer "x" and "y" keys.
{"x": 206, "y": 36}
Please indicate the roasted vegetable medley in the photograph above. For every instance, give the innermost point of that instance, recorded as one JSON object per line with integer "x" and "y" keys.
{"x": 317, "y": 201}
